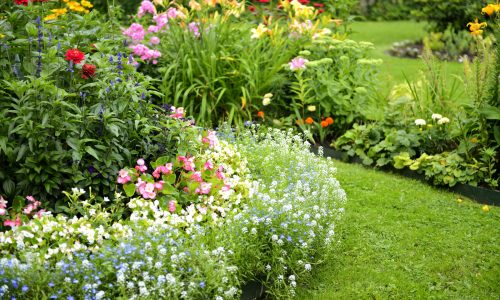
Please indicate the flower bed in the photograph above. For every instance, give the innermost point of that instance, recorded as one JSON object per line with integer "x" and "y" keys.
{"x": 263, "y": 229}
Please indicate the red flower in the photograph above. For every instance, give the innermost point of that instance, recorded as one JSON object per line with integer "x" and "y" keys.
{"x": 75, "y": 55}
{"x": 260, "y": 114}
{"x": 263, "y": 1}
{"x": 21, "y": 2}
{"x": 251, "y": 8}
{"x": 324, "y": 124}
{"x": 88, "y": 70}
{"x": 318, "y": 5}
{"x": 304, "y": 2}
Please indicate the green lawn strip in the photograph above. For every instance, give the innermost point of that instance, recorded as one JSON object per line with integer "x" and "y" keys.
{"x": 383, "y": 34}
{"x": 404, "y": 239}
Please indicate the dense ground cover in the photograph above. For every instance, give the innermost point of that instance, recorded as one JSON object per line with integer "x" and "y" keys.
{"x": 413, "y": 241}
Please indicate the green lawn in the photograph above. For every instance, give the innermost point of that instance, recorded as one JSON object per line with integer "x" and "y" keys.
{"x": 383, "y": 35}
{"x": 404, "y": 239}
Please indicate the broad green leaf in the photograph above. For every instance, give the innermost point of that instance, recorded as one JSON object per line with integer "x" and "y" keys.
{"x": 129, "y": 189}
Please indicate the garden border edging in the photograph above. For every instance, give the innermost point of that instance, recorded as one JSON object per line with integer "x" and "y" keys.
{"x": 478, "y": 194}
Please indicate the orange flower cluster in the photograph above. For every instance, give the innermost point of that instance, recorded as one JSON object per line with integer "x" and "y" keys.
{"x": 324, "y": 123}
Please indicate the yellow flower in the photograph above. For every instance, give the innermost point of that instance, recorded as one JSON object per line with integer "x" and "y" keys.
{"x": 86, "y": 4}
{"x": 486, "y": 208}
{"x": 2, "y": 36}
{"x": 50, "y": 17}
{"x": 475, "y": 28}
{"x": 59, "y": 11}
{"x": 459, "y": 200}
{"x": 491, "y": 9}
{"x": 258, "y": 32}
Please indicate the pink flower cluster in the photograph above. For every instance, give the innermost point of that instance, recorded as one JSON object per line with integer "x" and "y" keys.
{"x": 136, "y": 32}
{"x": 146, "y": 7}
{"x": 211, "y": 139}
{"x": 194, "y": 28}
{"x": 189, "y": 179}
{"x": 29, "y": 210}
{"x": 177, "y": 113}
{"x": 145, "y": 53}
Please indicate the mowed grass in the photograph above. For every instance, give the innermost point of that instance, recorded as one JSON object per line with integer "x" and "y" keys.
{"x": 383, "y": 35}
{"x": 404, "y": 239}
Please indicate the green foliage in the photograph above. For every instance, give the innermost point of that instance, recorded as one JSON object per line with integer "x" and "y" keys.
{"x": 442, "y": 14}
{"x": 60, "y": 129}
{"x": 221, "y": 75}
{"x": 385, "y": 9}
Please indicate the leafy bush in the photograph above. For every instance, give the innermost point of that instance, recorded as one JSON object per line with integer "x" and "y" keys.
{"x": 449, "y": 13}
{"x": 72, "y": 116}
{"x": 385, "y": 9}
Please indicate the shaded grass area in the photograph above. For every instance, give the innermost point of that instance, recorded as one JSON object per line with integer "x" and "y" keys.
{"x": 383, "y": 34}
{"x": 404, "y": 239}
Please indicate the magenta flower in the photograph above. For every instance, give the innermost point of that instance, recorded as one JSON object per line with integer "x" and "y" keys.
{"x": 171, "y": 206}
{"x": 208, "y": 165}
{"x": 141, "y": 165}
{"x": 135, "y": 32}
{"x": 204, "y": 188}
{"x": 166, "y": 169}
{"x": 219, "y": 173}
{"x": 13, "y": 223}
{"x": 146, "y": 7}
{"x": 159, "y": 185}
{"x": 123, "y": 176}
{"x": 188, "y": 163}
{"x": 153, "y": 29}
{"x": 154, "y": 40}
{"x": 298, "y": 63}
{"x": 197, "y": 176}
{"x": 193, "y": 27}
{"x": 147, "y": 190}
{"x": 177, "y": 112}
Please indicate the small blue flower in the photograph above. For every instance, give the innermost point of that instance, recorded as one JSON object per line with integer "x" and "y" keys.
{"x": 24, "y": 289}
{"x": 202, "y": 284}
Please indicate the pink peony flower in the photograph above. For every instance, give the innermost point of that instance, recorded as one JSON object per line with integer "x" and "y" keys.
{"x": 123, "y": 176}
{"x": 13, "y": 223}
{"x": 197, "y": 176}
{"x": 154, "y": 40}
{"x": 28, "y": 209}
{"x": 204, "y": 188}
{"x": 135, "y": 32}
{"x": 298, "y": 63}
{"x": 171, "y": 206}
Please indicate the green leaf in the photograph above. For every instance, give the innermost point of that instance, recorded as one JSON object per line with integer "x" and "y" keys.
{"x": 92, "y": 152}
{"x": 21, "y": 152}
{"x": 129, "y": 189}
{"x": 8, "y": 186}
{"x": 490, "y": 112}
{"x": 31, "y": 29}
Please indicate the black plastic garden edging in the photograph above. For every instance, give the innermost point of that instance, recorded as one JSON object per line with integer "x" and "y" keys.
{"x": 478, "y": 194}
